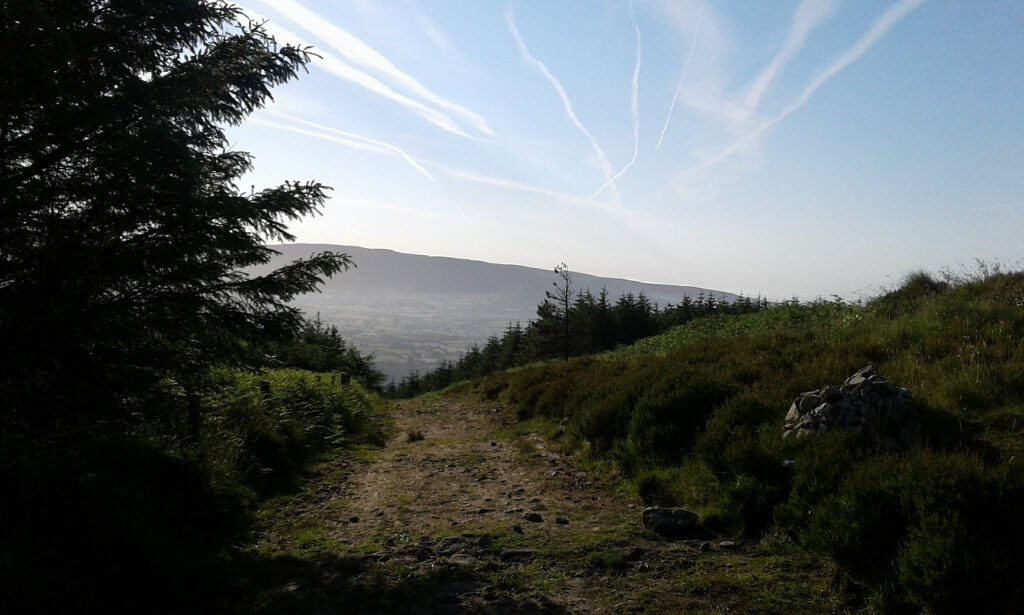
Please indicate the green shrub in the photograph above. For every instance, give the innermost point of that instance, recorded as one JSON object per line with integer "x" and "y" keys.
{"x": 754, "y": 503}
{"x": 914, "y": 287}
{"x": 260, "y": 429}
{"x": 657, "y": 487}
{"x": 931, "y": 531}
{"x": 666, "y": 419}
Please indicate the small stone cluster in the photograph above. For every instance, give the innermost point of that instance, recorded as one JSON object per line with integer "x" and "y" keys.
{"x": 865, "y": 404}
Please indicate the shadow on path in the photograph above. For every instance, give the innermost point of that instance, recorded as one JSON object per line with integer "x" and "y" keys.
{"x": 341, "y": 584}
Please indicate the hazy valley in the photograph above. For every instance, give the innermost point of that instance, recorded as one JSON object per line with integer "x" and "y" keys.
{"x": 412, "y": 311}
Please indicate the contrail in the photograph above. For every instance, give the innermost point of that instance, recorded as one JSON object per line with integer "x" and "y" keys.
{"x": 347, "y": 138}
{"x": 634, "y": 104}
{"x": 509, "y": 184}
{"x": 808, "y": 16}
{"x": 878, "y": 29}
{"x": 355, "y": 50}
{"x": 342, "y": 70}
{"x": 686, "y": 65}
{"x": 606, "y": 166}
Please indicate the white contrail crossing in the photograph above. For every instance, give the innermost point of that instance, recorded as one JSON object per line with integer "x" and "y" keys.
{"x": 342, "y": 70}
{"x": 893, "y": 15}
{"x": 809, "y": 15}
{"x": 606, "y": 167}
{"x": 348, "y": 138}
{"x": 356, "y": 51}
{"x": 634, "y": 105}
{"x": 686, "y": 65}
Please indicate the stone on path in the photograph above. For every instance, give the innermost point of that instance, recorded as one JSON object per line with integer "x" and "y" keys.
{"x": 461, "y": 559}
{"x": 672, "y": 522}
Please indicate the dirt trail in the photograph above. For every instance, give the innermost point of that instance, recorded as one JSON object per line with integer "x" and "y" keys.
{"x": 480, "y": 515}
{"x": 464, "y": 477}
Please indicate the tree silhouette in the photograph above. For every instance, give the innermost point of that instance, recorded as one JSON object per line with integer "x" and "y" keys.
{"x": 561, "y": 298}
{"x": 123, "y": 233}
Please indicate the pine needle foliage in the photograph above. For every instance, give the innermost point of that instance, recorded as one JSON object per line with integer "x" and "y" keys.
{"x": 124, "y": 233}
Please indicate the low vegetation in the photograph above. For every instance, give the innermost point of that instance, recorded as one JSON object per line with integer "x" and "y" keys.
{"x": 117, "y": 520}
{"x": 693, "y": 417}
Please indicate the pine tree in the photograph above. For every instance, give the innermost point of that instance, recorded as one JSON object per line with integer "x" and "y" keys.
{"x": 561, "y": 300}
{"x": 583, "y": 323}
{"x": 512, "y": 346}
{"x": 124, "y": 237}
{"x": 604, "y": 322}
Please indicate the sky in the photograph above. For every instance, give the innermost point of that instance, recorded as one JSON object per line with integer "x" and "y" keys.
{"x": 807, "y": 148}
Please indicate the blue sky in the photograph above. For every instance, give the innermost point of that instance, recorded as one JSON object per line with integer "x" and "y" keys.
{"x": 809, "y": 147}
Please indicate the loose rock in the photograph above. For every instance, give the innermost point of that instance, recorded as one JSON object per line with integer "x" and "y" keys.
{"x": 461, "y": 559}
{"x": 453, "y": 544}
{"x": 676, "y": 523}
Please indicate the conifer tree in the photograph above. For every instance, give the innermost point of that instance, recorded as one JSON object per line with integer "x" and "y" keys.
{"x": 512, "y": 346}
{"x": 604, "y": 322}
{"x": 124, "y": 235}
{"x": 561, "y": 299}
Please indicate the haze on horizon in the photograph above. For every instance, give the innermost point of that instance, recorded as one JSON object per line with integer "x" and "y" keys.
{"x": 810, "y": 148}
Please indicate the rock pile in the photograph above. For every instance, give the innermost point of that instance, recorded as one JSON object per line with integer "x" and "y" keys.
{"x": 865, "y": 404}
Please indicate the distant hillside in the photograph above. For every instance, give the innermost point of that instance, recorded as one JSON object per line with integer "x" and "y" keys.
{"x": 412, "y": 311}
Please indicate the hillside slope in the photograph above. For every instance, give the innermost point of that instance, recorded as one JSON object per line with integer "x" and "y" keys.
{"x": 694, "y": 417}
{"x": 412, "y": 311}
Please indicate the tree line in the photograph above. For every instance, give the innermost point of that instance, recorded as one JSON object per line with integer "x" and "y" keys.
{"x": 572, "y": 322}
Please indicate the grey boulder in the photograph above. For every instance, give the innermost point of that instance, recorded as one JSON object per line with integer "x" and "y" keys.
{"x": 673, "y": 523}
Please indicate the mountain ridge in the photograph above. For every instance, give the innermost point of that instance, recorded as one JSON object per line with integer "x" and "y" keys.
{"x": 411, "y": 311}
{"x": 580, "y": 278}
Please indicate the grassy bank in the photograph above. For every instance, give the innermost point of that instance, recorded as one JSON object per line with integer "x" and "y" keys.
{"x": 693, "y": 417}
